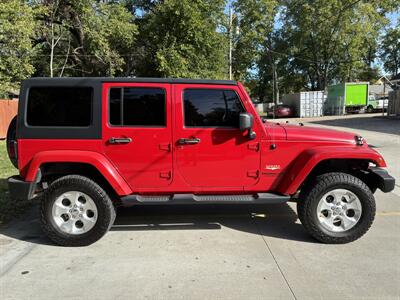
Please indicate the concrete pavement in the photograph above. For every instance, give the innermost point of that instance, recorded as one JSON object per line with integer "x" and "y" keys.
{"x": 210, "y": 252}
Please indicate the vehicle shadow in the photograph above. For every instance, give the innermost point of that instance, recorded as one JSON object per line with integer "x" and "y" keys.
{"x": 376, "y": 123}
{"x": 278, "y": 221}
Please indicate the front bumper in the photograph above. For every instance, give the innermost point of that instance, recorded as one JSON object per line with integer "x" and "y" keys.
{"x": 384, "y": 181}
{"x": 20, "y": 189}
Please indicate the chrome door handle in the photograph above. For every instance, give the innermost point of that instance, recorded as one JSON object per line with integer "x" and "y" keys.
{"x": 114, "y": 140}
{"x": 191, "y": 141}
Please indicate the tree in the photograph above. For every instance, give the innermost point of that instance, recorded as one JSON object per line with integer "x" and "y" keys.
{"x": 390, "y": 51}
{"x": 327, "y": 38}
{"x": 255, "y": 20}
{"x": 179, "y": 38}
{"x": 16, "y": 28}
{"x": 253, "y": 60}
{"x": 83, "y": 38}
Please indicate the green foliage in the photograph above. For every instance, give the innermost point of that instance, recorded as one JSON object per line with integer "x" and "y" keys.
{"x": 331, "y": 38}
{"x": 182, "y": 40}
{"x": 16, "y": 28}
{"x": 255, "y": 21}
{"x": 83, "y": 38}
{"x": 390, "y": 50}
{"x": 279, "y": 46}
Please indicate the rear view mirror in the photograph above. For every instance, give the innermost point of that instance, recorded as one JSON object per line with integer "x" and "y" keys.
{"x": 246, "y": 121}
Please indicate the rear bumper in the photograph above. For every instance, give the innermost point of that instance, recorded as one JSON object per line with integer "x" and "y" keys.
{"x": 20, "y": 189}
{"x": 384, "y": 181}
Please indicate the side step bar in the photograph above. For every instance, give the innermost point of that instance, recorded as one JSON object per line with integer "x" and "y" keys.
{"x": 260, "y": 198}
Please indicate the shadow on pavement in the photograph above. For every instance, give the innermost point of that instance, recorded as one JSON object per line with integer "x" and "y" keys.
{"x": 376, "y": 123}
{"x": 277, "y": 221}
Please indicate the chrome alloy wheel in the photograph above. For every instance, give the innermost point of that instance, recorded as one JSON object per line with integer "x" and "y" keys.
{"x": 339, "y": 210}
{"x": 74, "y": 212}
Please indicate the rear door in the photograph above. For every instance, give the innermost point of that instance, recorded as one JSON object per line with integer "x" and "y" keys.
{"x": 211, "y": 151}
{"x": 137, "y": 132}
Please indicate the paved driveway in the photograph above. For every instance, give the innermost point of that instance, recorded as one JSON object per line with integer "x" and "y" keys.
{"x": 210, "y": 252}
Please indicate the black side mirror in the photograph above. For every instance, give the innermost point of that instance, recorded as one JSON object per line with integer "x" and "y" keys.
{"x": 246, "y": 122}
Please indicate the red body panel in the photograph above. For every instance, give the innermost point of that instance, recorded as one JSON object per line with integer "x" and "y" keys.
{"x": 146, "y": 162}
{"x": 224, "y": 158}
{"x": 93, "y": 158}
{"x": 225, "y": 161}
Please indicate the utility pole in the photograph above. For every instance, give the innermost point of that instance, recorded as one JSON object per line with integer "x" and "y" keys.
{"x": 230, "y": 41}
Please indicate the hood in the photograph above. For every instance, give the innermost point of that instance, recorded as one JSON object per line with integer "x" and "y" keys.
{"x": 307, "y": 133}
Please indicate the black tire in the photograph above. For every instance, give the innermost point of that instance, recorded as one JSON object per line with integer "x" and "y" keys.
{"x": 312, "y": 193}
{"x": 105, "y": 208}
{"x": 370, "y": 109}
{"x": 12, "y": 138}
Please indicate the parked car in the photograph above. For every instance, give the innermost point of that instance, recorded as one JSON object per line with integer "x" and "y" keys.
{"x": 83, "y": 146}
{"x": 281, "y": 111}
{"x": 377, "y": 104}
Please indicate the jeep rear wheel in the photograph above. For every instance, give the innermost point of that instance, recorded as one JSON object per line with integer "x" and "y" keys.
{"x": 336, "y": 208}
{"x": 76, "y": 211}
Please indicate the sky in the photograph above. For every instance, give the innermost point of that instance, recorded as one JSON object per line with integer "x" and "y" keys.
{"x": 394, "y": 18}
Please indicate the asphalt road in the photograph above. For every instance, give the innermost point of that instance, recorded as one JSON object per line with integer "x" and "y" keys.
{"x": 214, "y": 252}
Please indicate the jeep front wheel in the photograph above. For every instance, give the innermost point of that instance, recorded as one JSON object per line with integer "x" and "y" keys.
{"x": 76, "y": 211}
{"x": 336, "y": 208}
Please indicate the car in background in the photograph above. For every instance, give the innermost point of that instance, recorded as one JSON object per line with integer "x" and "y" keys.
{"x": 377, "y": 104}
{"x": 281, "y": 111}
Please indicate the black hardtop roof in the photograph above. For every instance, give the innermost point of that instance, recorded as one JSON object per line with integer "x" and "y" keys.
{"x": 81, "y": 80}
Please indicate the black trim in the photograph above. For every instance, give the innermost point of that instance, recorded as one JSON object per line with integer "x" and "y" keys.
{"x": 94, "y": 131}
{"x": 261, "y": 198}
{"x": 20, "y": 189}
{"x": 385, "y": 182}
{"x": 71, "y": 80}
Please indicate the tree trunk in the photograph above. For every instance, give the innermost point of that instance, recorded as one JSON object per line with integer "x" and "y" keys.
{"x": 52, "y": 49}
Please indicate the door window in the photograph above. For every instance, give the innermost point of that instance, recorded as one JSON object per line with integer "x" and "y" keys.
{"x": 211, "y": 108}
{"x": 137, "y": 107}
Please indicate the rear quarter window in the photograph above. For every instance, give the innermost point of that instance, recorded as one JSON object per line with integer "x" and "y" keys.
{"x": 59, "y": 106}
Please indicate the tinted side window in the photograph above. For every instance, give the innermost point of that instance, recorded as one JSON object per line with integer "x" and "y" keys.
{"x": 211, "y": 108}
{"x": 60, "y": 106}
{"x": 137, "y": 106}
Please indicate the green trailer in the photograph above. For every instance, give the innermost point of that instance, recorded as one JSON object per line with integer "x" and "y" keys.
{"x": 347, "y": 97}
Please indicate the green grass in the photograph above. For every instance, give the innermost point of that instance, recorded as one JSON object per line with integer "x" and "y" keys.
{"x": 8, "y": 208}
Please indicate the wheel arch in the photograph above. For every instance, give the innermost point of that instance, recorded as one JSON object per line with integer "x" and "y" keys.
{"x": 356, "y": 167}
{"x": 316, "y": 161}
{"x": 86, "y": 163}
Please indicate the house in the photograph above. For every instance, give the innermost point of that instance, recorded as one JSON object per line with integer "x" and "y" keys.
{"x": 379, "y": 90}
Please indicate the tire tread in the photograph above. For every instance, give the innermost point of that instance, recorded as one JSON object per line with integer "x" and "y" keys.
{"x": 320, "y": 184}
{"x": 101, "y": 227}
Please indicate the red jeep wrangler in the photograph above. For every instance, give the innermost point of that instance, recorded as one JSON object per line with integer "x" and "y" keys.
{"x": 86, "y": 145}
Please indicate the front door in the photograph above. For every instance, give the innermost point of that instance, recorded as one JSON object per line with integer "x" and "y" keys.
{"x": 211, "y": 151}
{"x": 137, "y": 132}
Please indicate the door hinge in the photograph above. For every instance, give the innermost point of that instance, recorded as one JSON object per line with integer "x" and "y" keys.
{"x": 255, "y": 146}
{"x": 253, "y": 174}
{"x": 166, "y": 175}
{"x": 165, "y": 147}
